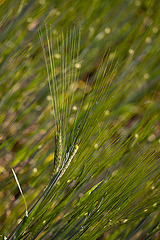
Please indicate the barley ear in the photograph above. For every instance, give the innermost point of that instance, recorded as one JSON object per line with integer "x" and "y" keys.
{"x": 58, "y": 152}
{"x": 71, "y": 156}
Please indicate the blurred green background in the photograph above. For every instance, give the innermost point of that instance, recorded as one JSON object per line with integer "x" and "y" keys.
{"x": 128, "y": 32}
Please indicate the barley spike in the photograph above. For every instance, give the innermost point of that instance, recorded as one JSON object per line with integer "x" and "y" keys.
{"x": 58, "y": 153}
{"x": 75, "y": 149}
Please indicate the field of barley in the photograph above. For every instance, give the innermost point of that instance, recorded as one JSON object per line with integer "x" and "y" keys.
{"x": 80, "y": 119}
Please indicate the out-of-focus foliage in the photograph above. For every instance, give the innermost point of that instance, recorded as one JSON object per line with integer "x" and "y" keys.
{"x": 111, "y": 188}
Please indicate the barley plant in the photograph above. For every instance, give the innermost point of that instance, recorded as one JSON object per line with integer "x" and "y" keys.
{"x": 79, "y": 119}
